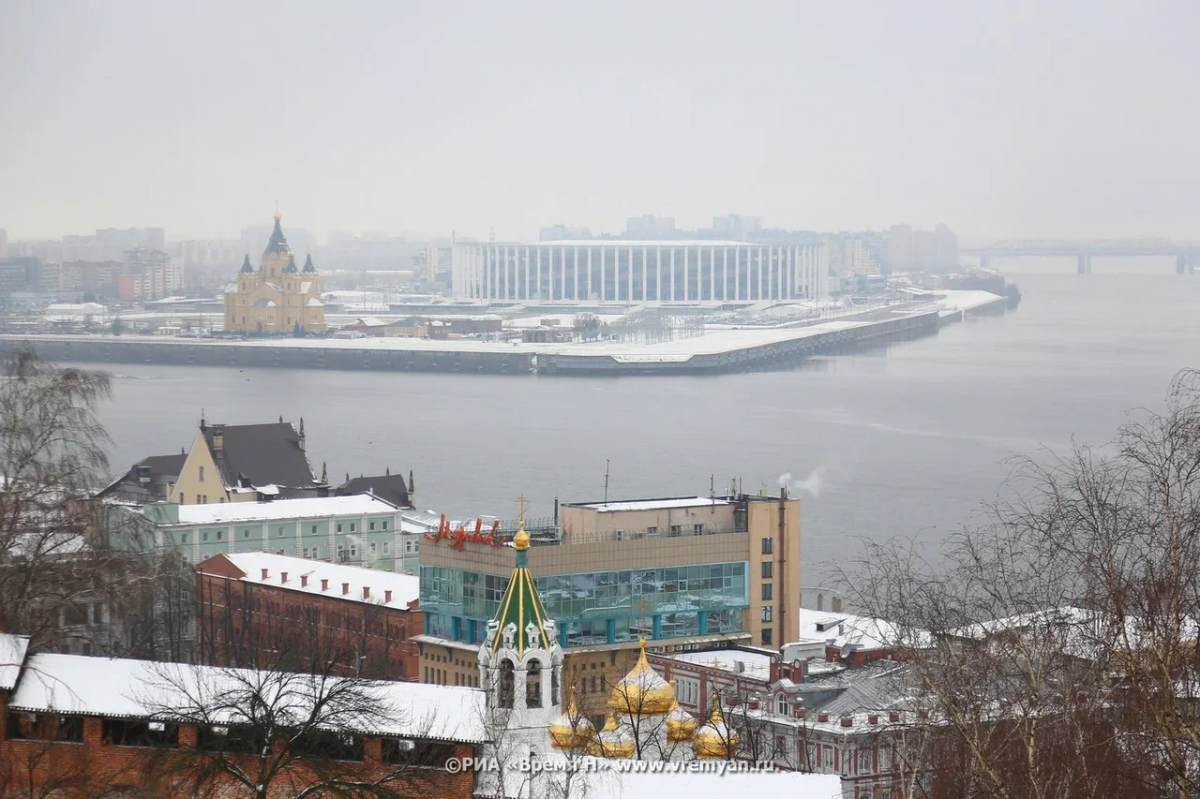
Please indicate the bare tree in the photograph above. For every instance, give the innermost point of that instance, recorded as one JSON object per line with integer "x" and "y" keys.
{"x": 269, "y": 732}
{"x": 51, "y": 456}
{"x": 1064, "y": 657}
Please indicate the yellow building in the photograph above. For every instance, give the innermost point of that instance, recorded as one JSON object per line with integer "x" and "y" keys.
{"x": 279, "y": 297}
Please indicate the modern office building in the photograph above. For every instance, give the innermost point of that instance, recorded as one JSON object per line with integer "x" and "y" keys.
{"x": 680, "y": 572}
{"x": 625, "y": 271}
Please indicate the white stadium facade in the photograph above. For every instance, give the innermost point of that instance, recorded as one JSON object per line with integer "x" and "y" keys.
{"x": 617, "y": 271}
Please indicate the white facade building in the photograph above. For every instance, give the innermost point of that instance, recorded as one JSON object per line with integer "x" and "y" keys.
{"x": 622, "y": 271}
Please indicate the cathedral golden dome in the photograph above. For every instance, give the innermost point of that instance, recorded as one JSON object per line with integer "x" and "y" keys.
{"x": 681, "y": 725}
{"x": 642, "y": 692}
{"x": 612, "y": 741}
{"x": 715, "y": 739}
{"x": 571, "y": 730}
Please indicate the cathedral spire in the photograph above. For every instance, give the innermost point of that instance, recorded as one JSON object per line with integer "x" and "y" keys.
{"x": 291, "y": 269}
{"x": 309, "y": 269}
{"x": 247, "y": 269}
{"x": 277, "y": 244}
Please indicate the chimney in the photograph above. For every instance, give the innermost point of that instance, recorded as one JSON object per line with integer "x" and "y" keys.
{"x": 366, "y": 592}
{"x": 264, "y": 573}
{"x": 387, "y": 596}
{"x": 799, "y": 712}
{"x": 822, "y": 717}
{"x": 872, "y": 719}
{"x": 847, "y": 721}
{"x": 324, "y": 584}
{"x": 345, "y": 589}
{"x": 893, "y": 715}
{"x": 283, "y": 576}
{"x": 304, "y": 581}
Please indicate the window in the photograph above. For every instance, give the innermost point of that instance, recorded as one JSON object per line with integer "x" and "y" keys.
{"x": 781, "y": 705}
{"x": 864, "y": 761}
{"x": 197, "y": 499}
{"x": 408, "y": 546}
{"x": 697, "y": 529}
{"x": 766, "y": 546}
{"x": 220, "y": 534}
{"x": 97, "y": 613}
{"x": 372, "y": 547}
{"x": 306, "y": 552}
{"x": 245, "y": 533}
{"x": 280, "y": 531}
{"x": 766, "y": 569}
{"x": 766, "y": 636}
{"x": 183, "y": 538}
{"x": 201, "y": 474}
{"x": 44, "y": 727}
{"x": 417, "y": 754}
{"x": 118, "y": 732}
{"x": 766, "y": 612}
{"x": 827, "y": 759}
{"x": 372, "y": 525}
{"x": 314, "y": 529}
{"x": 651, "y": 531}
{"x": 352, "y": 527}
{"x": 676, "y": 530}
{"x": 387, "y": 546}
{"x": 385, "y": 524}
{"x": 809, "y": 758}
{"x": 204, "y": 535}
{"x": 354, "y": 551}
{"x": 767, "y": 590}
{"x": 339, "y": 528}
{"x": 317, "y": 551}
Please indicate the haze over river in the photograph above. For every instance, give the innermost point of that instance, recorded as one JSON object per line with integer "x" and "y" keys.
{"x": 895, "y": 440}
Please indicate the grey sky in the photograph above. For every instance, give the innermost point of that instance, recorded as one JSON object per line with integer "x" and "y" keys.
{"x": 1001, "y": 119}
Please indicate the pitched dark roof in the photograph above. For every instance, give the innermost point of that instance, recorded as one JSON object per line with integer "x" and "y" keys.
{"x": 247, "y": 269}
{"x": 261, "y": 455}
{"x": 309, "y": 269}
{"x": 291, "y": 269}
{"x": 388, "y": 487}
{"x": 277, "y": 243}
{"x": 158, "y": 470}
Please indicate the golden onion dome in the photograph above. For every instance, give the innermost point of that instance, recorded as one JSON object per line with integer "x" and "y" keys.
{"x": 642, "y": 692}
{"x": 681, "y": 725}
{"x": 521, "y": 539}
{"x": 571, "y": 730}
{"x": 715, "y": 739}
{"x": 613, "y": 740}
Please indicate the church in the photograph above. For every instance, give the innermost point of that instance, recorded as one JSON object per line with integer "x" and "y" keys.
{"x": 278, "y": 297}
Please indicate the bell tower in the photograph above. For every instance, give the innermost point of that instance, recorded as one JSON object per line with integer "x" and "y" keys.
{"x": 520, "y": 661}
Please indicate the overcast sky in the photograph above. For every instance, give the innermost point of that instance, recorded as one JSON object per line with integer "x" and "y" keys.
{"x": 1001, "y": 119}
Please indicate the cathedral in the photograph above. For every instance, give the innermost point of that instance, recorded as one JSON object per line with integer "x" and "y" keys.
{"x": 278, "y": 297}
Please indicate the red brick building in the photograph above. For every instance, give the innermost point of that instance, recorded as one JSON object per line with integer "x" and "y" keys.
{"x": 78, "y": 726}
{"x": 262, "y": 609}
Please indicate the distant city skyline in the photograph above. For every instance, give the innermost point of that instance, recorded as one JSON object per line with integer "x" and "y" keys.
{"x": 1068, "y": 119}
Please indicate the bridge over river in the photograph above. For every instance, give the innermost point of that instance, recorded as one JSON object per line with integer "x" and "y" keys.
{"x": 1187, "y": 256}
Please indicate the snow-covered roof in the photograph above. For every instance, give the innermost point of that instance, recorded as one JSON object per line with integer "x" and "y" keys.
{"x": 122, "y": 688}
{"x": 303, "y": 508}
{"x": 859, "y": 633}
{"x": 405, "y": 588}
{"x": 656, "y": 504}
{"x": 756, "y": 665}
{"x": 313, "y": 302}
{"x": 12, "y": 655}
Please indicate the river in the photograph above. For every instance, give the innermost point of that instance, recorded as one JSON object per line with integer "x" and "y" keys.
{"x": 903, "y": 439}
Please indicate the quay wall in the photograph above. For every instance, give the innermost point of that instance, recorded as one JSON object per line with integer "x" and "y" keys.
{"x": 138, "y": 350}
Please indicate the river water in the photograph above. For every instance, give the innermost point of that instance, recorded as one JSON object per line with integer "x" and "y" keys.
{"x": 903, "y": 439}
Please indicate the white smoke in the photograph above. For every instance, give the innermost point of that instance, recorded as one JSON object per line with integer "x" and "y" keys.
{"x": 810, "y": 485}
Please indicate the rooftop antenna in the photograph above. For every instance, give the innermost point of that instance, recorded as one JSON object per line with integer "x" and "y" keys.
{"x": 607, "y": 463}
{"x": 712, "y": 486}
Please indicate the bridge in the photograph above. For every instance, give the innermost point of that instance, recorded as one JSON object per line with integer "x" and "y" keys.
{"x": 1187, "y": 256}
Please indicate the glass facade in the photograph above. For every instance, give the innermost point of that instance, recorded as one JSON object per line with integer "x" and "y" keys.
{"x": 596, "y": 607}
